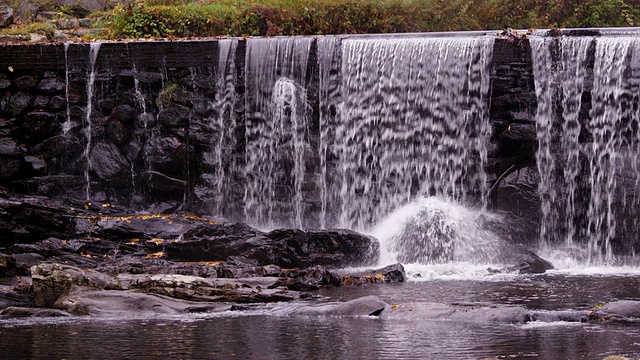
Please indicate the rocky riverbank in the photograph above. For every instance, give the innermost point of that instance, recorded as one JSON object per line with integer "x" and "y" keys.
{"x": 64, "y": 259}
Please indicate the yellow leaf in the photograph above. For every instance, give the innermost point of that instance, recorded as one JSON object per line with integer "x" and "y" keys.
{"x": 133, "y": 241}
{"x": 10, "y": 68}
{"x": 156, "y": 255}
{"x": 156, "y": 241}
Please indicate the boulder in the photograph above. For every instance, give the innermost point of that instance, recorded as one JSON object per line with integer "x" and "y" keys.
{"x": 26, "y": 83}
{"x": 88, "y": 301}
{"x": 166, "y": 154}
{"x": 28, "y": 11}
{"x": 622, "y": 310}
{"x": 9, "y": 147}
{"x": 6, "y": 15}
{"x": 9, "y": 166}
{"x": 388, "y": 274}
{"x": 18, "y": 103}
{"x": 53, "y": 281}
{"x": 108, "y": 163}
{"x": 175, "y": 116}
{"x": 125, "y": 114}
{"x": 364, "y": 306}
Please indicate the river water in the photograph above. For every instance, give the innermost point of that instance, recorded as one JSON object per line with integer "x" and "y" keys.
{"x": 258, "y": 334}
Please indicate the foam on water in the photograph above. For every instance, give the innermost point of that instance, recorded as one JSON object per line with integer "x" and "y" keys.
{"x": 436, "y": 230}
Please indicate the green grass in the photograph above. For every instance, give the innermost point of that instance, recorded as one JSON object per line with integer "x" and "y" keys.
{"x": 186, "y": 18}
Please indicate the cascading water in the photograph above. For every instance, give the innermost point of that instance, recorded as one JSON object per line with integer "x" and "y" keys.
{"x": 93, "y": 55}
{"x": 413, "y": 120}
{"x": 276, "y": 130}
{"x": 587, "y": 142}
{"x": 66, "y": 126}
{"x": 222, "y": 157}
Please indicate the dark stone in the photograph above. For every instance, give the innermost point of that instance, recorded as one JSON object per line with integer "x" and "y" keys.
{"x": 4, "y": 82}
{"x": 126, "y": 114}
{"x": 29, "y": 219}
{"x": 57, "y": 103}
{"x": 7, "y": 266}
{"x": 10, "y": 296}
{"x": 160, "y": 182}
{"x": 41, "y": 102}
{"x": 36, "y": 164}
{"x": 9, "y": 147}
{"x": 6, "y": 15}
{"x": 117, "y": 132}
{"x": 364, "y": 306}
{"x": 108, "y": 163}
{"x": 26, "y": 83}
{"x": 175, "y": 116}
{"x": 18, "y": 103}
{"x": 166, "y": 154}
{"x": 51, "y": 85}
{"x": 9, "y": 166}
{"x": 520, "y": 132}
{"x": 28, "y": 11}
{"x": 60, "y": 152}
{"x": 41, "y": 125}
{"x": 25, "y": 261}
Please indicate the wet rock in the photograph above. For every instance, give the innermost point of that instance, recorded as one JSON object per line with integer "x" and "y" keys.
{"x": 26, "y": 83}
{"x": 4, "y": 82}
{"x": 41, "y": 125}
{"x": 9, "y": 166}
{"x": 117, "y": 132}
{"x": 297, "y": 248}
{"x": 6, "y": 15}
{"x": 166, "y": 154}
{"x": 311, "y": 278}
{"x": 25, "y": 261}
{"x": 108, "y": 163}
{"x": 623, "y": 311}
{"x": 18, "y": 103}
{"x": 22, "y": 312}
{"x": 10, "y": 296}
{"x": 28, "y": 11}
{"x": 520, "y": 132}
{"x": 83, "y": 301}
{"x": 7, "y": 265}
{"x": 57, "y": 103}
{"x": 160, "y": 182}
{"x": 364, "y": 306}
{"x": 52, "y": 281}
{"x": 9, "y": 147}
{"x": 524, "y": 260}
{"x": 465, "y": 313}
{"x": 51, "y": 85}
{"x": 125, "y": 114}
{"x": 175, "y": 117}
{"x": 36, "y": 164}
{"x": 41, "y": 102}
{"x": 59, "y": 153}
{"x": 388, "y": 274}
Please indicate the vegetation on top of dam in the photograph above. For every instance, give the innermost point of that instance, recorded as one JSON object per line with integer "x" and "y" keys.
{"x": 186, "y": 18}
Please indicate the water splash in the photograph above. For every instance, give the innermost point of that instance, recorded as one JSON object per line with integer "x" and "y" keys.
{"x": 436, "y": 230}
{"x": 413, "y": 120}
{"x": 93, "y": 55}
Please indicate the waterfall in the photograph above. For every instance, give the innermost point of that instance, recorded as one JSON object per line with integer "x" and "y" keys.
{"x": 413, "y": 120}
{"x": 66, "y": 126}
{"x": 93, "y": 55}
{"x": 587, "y": 127}
{"x": 276, "y": 130}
